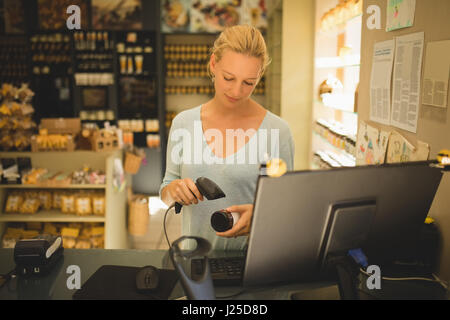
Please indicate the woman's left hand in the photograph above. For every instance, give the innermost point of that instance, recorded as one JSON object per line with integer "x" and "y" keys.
{"x": 242, "y": 227}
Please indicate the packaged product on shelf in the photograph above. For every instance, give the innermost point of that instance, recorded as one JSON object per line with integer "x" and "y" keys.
{"x": 14, "y": 202}
{"x": 56, "y": 135}
{"x": 31, "y": 194}
{"x": 45, "y": 198}
{"x": 98, "y": 204}
{"x": 52, "y": 142}
{"x": 68, "y": 203}
{"x": 11, "y": 236}
{"x": 97, "y": 177}
{"x": 98, "y": 237}
{"x": 62, "y": 180}
{"x": 81, "y": 176}
{"x": 21, "y": 140}
{"x": 69, "y": 236}
{"x": 153, "y": 140}
{"x": 6, "y": 141}
{"x": 88, "y": 176}
{"x": 30, "y": 205}
{"x": 10, "y": 171}
{"x": 46, "y": 180}
{"x": 24, "y": 94}
{"x": 83, "y": 205}
{"x": 33, "y": 176}
{"x": 50, "y": 228}
{"x": 16, "y": 117}
{"x": 56, "y": 199}
{"x": 83, "y": 243}
{"x": 86, "y": 231}
{"x": 30, "y": 234}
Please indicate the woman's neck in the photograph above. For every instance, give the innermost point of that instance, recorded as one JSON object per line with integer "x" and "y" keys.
{"x": 215, "y": 107}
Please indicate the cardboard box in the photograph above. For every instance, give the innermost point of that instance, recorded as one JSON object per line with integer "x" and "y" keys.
{"x": 61, "y": 125}
{"x": 104, "y": 142}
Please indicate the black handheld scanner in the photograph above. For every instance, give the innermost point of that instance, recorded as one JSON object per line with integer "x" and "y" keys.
{"x": 208, "y": 188}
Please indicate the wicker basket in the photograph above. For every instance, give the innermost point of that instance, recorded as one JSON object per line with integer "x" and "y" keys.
{"x": 138, "y": 217}
{"x": 132, "y": 163}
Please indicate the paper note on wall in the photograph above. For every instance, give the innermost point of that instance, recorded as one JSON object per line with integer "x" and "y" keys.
{"x": 371, "y": 145}
{"x": 401, "y": 150}
{"x": 406, "y": 81}
{"x": 400, "y": 14}
{"x": 436, "y": 74}
{"x": 380, "y": 83}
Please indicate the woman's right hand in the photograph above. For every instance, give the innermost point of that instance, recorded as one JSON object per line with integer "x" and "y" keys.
{"x": 184, "y": 191}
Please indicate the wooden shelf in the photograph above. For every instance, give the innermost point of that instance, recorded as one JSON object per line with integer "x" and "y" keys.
{"x": 337, "y": 62}
{"x": 345, "y": 109}
{"x": 49, "y": 216}
{"x": 322, "y": 144}
{"x": 116, "y": 236}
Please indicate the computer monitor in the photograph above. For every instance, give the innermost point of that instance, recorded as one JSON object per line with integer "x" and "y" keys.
{"x": 301, "y": 217}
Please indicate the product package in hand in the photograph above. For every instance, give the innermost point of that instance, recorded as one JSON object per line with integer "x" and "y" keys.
{"x": 224, "y": 220}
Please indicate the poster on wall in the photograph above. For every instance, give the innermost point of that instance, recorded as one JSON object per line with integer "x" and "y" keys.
{"x": 14, "y": 18}
{"x": 254, "y": 13}
{"x": 380, "y": 82}
{"x": 214, "y": 16}
{"x": 436, "y": 74}
{"x": 211, "y": 16}
{"x": 117, "y": 14}
{"x": 371, "y": 145}
{"x": 407, "y": 80}
{"x": 175, "y": 15}
{"x": 52, "y": 14}
{"x": 401, "y": 150}
{"x": 400, "y": 14}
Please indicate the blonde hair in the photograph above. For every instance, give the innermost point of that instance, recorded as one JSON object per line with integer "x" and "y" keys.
{"x": 243, "y": 39}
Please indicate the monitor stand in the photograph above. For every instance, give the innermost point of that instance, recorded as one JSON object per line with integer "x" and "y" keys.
{"x": 348, "y": 227}
{"x": 347, "y": 276}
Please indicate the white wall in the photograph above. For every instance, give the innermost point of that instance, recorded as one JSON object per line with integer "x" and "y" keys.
{"x": 433, "y": 124}
{"x": 297, "y": 74}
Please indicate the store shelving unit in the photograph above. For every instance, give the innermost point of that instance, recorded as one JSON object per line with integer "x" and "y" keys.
{"x": 335, "y": 114}
{"x": 176, "y": 101}
{"x": 114, "y": 219}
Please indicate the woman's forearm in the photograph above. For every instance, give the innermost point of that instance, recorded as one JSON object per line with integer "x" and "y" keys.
{"x": 165, "y": 196}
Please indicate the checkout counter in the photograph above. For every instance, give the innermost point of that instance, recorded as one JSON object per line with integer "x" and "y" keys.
{"x": 54, "y": 284}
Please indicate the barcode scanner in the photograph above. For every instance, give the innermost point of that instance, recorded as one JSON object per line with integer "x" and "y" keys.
{"x": 208, "y": 188}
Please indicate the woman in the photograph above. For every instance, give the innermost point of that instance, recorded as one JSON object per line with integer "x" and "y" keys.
{"x": 202, "y": 140}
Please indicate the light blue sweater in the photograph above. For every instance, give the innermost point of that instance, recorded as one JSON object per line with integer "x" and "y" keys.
{"x": 189, "y": 156}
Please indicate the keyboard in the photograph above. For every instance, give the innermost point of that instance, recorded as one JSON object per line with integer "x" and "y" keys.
{"x": 224, "y": 271}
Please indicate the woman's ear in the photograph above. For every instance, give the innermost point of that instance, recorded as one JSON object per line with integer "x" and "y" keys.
{"x": 212, "y": 64}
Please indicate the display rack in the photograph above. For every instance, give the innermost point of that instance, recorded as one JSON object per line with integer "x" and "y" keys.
{"x": 114, "y": 219}
{"x": 336, "y": 79}
{"x": 178, "y": 96}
